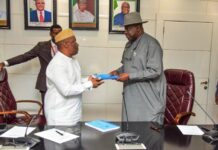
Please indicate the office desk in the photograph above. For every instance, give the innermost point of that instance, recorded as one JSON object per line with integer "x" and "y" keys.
{"x": 169, "y": 138}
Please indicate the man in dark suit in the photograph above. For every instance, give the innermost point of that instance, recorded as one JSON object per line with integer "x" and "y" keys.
{"x": 40, "y": 14}
{"x": 44, "y": 51}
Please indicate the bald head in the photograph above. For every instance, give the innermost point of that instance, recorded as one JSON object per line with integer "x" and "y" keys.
{"x": 125, "y": 7}
{"x": 40, "y": 5}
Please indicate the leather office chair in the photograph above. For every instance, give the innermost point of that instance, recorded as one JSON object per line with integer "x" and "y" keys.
{"x": 179, "y": 103}
{"x": 8, "y": 106}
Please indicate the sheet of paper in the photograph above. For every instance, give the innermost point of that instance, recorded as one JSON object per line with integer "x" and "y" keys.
{"x": 130, "y": 146}
{"x": 56, "y": 135}
{"x": 190, "y": 130}
{"x": 13, "y": 148}
{"x": 17, "y": 131}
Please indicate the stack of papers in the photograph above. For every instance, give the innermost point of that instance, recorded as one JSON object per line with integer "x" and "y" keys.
{"x": 17, "y": 132}
{"x": 130, "y": 146}
{"x": 190, "y": 130}
{"x": 56, "y": 135}
{"x": 102, "y": 126}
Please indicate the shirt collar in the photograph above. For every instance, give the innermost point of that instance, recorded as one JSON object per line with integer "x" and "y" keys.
{"x": 38, "y": 12}
{"x": 64, "y": 57}
{"x": 53, "y": 44}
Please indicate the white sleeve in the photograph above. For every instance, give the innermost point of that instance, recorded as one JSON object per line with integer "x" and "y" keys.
{"x": 6, "y": 63}
{"x": 88, "y": 84}
{"x": 59, "y": 77}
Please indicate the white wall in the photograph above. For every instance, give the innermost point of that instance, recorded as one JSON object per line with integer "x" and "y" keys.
{"x": 100, "y": 52}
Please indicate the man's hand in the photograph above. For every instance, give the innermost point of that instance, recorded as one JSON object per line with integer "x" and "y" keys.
{"x": 1, "y": 66}
{"x": 114, "y": 73}
{"x": 123, "y": 77}
{"x": 96, "y": 82}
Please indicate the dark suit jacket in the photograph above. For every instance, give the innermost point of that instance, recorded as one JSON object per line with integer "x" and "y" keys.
{"x": 34, "y": 17}
{"x": 43, "y": 51}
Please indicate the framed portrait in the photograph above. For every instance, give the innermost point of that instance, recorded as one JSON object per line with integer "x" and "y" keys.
{"x": 83, "y": 14}
{"x": 5, "y": 22}
{"x": 40, "y": 14}
{"x": 117, "y": 10}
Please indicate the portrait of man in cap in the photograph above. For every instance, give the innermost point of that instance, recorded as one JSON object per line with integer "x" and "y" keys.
{"x": 118, "y": 9}
{"x": 119, "y": 18}
{"x": 81, "y": 13}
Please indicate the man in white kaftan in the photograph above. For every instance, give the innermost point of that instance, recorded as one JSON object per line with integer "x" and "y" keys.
{"x": 65, "y": 85}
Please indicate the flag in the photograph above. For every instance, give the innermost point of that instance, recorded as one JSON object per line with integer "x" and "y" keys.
{"x": 115, "y": 4}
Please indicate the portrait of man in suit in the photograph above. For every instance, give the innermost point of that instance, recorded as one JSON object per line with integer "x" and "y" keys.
{"x": 118, "y": 9}
{"x": 40, "y": 14}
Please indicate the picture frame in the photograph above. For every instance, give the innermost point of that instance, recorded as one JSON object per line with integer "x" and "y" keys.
{"x": 5, "y": 20}
{"x": 116, "y": 13}
{"x": 40, "y": 14}
{"x": 84, "y": 14}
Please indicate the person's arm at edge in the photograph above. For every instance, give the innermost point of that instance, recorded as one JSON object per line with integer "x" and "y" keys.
{"x": 23, "y": 57}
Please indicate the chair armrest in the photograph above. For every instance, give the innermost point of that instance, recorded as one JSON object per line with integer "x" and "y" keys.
{"x": 26, "y": 114}
{"x": 182, "y": 115}
{"x": 31, "y": 101}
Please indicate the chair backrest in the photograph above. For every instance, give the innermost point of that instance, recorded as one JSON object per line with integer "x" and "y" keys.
{"x": 7, "y": 100}
{"x": 179, "y": 83}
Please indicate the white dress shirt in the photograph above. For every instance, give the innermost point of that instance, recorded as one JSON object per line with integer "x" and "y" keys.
{"x": 54, "y": 48}
{"x": 63, "y": 99}
{"x": 38, "y": 14}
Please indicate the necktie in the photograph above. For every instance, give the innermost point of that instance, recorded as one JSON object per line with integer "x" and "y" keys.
{"x": 55, "y": 49}
{"x": 41, "y": 18}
